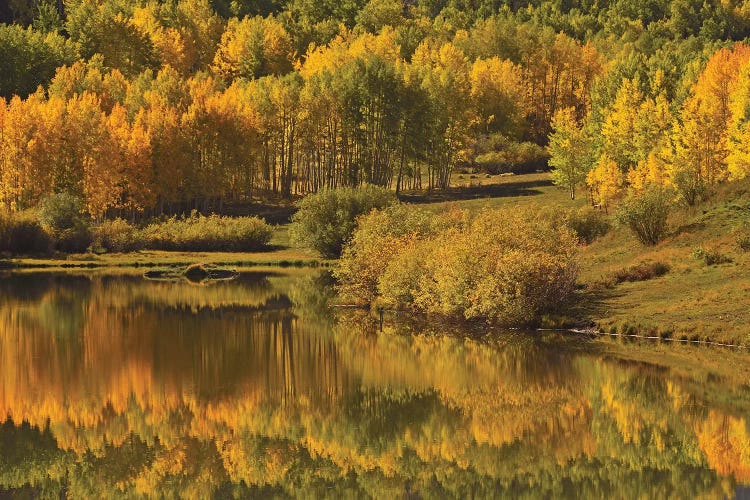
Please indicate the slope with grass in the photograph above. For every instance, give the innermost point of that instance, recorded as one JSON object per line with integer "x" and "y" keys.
{"x": 704, "y": 293}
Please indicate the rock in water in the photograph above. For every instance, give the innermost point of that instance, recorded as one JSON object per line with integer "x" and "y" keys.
{"x": 202, "y": 272}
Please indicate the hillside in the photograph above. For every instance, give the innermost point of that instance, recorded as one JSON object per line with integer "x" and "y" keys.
{"x": 696, "y": 299}
{"x": 693, "y": 300}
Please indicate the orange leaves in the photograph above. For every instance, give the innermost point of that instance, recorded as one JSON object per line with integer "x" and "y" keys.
{"x": 31, "y": 136}
{"x": 90, "y": 155}
{"x": 702, "y": 138}
{"x": 131, "y": 159}
{"x": 719, "y": 79}
{"x": 84, "y": 140}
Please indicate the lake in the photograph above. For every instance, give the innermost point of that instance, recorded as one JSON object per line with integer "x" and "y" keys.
{"x": 115, "y": 385}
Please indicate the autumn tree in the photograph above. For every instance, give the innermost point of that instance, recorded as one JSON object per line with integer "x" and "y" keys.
{"x": 568, "y": 149}
{"x": 446, "y": 80}
{"x": 701, "y": 137}
{"x": 605, "y": 181}
{"x": 738, "y": 145}
{"x": 499, "y": 96}
{"x": 253, "y": 47}
{"x": 106, "y": 28}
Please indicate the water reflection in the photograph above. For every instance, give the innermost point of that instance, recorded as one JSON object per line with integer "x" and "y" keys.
{"x": 115, "y": 385}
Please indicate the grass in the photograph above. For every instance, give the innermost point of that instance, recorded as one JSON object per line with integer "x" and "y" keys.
{"x": 693, "y": 300}
{"x": 157, "y": 258}
{"x": 699, "y": 298}
{"x": 500, "y": 192}
{"x": 279, "y": 254}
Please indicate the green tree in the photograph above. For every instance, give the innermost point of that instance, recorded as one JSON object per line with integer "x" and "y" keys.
{"x": 28, "y": 58}
{"x": 326, "y": 220}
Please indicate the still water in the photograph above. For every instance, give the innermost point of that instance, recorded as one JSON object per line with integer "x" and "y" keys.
{"x": 114, "y": 385}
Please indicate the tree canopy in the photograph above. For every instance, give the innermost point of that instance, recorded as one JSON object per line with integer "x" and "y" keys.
{"x": 147, "y": 106}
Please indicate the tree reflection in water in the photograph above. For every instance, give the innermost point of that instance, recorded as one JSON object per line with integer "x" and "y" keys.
{"x": 115, "y": 385}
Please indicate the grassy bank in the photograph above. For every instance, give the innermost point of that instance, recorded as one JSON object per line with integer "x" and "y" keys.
{"x": 704, "y": 294}
{"x": 279, "y": 254}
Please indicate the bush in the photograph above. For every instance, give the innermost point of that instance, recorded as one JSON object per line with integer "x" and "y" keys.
{"x": 587, "y": 223}
{"x": 710, "y": 257}
{"x": 641, "y": 272}
{"x": 742, "y": 237}
{"x": 213, "y": 233}
{"x": 64, "y": 217}
{"x": 517, "y": 158}
{"x": 21, "y": 233}
{"x": 691, "y": 189}
{"x": 116, "y": 236}
{"x": 507, "y": 267}
{"x": 326, "y": 220}
{"x": 646, "y": 214}
{"x": 61, "y": 212}
{"x": 381, "y": 235}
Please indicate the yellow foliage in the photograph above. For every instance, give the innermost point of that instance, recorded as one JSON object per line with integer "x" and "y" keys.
{"x": 498, "y": 91}
{"x": 253, "y": 47}
{"x": 169, "y": 42}
{"x": 605, "y": 181}
{"x": 725, "y": 440}
{"x": 701, "y": 141}
{"x": 347, "y": 47}
{"x": 651, "y": 171}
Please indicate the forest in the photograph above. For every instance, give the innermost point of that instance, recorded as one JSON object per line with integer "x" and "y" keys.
{"x": 146, "y": 107}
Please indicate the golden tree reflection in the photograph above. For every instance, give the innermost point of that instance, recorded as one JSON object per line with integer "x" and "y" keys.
{"x": 123, "y": 385}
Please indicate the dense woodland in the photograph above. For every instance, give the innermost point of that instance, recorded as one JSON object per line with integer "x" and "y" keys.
{"x": 145, "y": 106}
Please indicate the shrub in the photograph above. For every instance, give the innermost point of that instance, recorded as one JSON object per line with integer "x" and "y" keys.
{"x": 587, "y": 223}
{"x": 691, "y": 189}
{"x": 213, "y": 233}
{"x": 641, "y": 272}
{"x": 381, "y": 235}
{"x": 742, "y": 237}
{"x": 498, "y": 154}
{"x": 710, "y": 257}
{"x": 646, "y": 214}
{"x": 64, "y": 217}
{"x": 61, "y": 212}
{"x": 507, "y": 267}
{"x": 327, "y": 219}
{"x": 22, "y": 233}
{"x": 116, "y": 236}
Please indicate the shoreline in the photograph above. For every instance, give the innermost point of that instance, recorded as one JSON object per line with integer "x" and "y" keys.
{"x": 158, "y": 258}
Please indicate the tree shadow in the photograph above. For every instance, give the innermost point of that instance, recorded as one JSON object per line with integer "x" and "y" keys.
{"x": 272, "y": 213}
{"x": 504, "y": 190}
{"x": 592, "y": 302}
{"x": 688, "y": 228}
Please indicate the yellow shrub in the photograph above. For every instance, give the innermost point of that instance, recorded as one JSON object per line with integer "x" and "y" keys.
{"x": 505, "y": 266}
